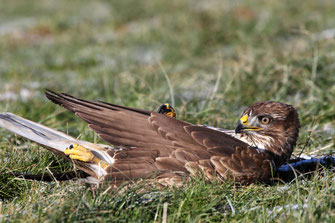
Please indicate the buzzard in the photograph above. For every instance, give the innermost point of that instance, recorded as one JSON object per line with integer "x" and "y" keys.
{"x": 154, "y": 146}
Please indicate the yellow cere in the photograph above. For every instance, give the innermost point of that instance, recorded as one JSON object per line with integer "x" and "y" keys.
{"x": 244, "y": 119}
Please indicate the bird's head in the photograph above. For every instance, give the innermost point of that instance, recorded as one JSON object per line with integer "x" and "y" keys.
{"x": 273, "y": 126}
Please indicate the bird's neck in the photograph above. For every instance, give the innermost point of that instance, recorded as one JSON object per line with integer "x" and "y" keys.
{"x": 282, "y": 147}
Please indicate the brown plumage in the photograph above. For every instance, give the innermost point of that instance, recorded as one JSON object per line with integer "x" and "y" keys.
{"x": 153, "y": 145}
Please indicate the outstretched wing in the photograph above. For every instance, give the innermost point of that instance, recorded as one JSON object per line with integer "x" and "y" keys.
{"x": 154, "y": 141}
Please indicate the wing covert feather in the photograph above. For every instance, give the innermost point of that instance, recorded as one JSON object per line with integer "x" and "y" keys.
{"x": 166, "y": 144}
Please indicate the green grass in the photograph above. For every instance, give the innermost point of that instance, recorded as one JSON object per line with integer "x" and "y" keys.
{"x": 220, "y": 57}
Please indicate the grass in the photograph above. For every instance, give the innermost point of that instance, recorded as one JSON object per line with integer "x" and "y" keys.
{"x": 219, "y": 57}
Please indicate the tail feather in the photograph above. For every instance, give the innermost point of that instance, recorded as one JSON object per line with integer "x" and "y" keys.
{"x": 36, "y": 132}
{"x": 55, "y": 141}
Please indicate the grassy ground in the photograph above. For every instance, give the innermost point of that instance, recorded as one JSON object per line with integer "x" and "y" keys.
{"x": 220, "y": 57}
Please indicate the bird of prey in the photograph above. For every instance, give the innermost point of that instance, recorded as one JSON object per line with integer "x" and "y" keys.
{"x": 160, "y": 148}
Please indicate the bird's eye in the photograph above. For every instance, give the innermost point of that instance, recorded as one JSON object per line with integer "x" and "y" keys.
{"x": 264, "y": 120}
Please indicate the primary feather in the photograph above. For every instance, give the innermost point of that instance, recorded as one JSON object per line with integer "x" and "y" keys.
{"x": 155, "y": 146}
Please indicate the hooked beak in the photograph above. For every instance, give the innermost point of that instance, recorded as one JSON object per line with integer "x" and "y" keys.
{"x": 239, "y": 127}
{"x": 243, "y": 126}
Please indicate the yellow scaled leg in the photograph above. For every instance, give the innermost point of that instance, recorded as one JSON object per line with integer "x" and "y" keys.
{"x": 78, "y": 152}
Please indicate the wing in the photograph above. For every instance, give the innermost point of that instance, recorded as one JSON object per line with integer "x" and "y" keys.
{"x": 155, "y": 142}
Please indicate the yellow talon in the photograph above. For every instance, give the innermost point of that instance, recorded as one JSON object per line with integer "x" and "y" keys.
{"x": 167, "y": 110}
{"x": 79, "y": 152}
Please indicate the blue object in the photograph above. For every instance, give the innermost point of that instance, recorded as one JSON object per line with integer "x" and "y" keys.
{"x": 309, "y": 164}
